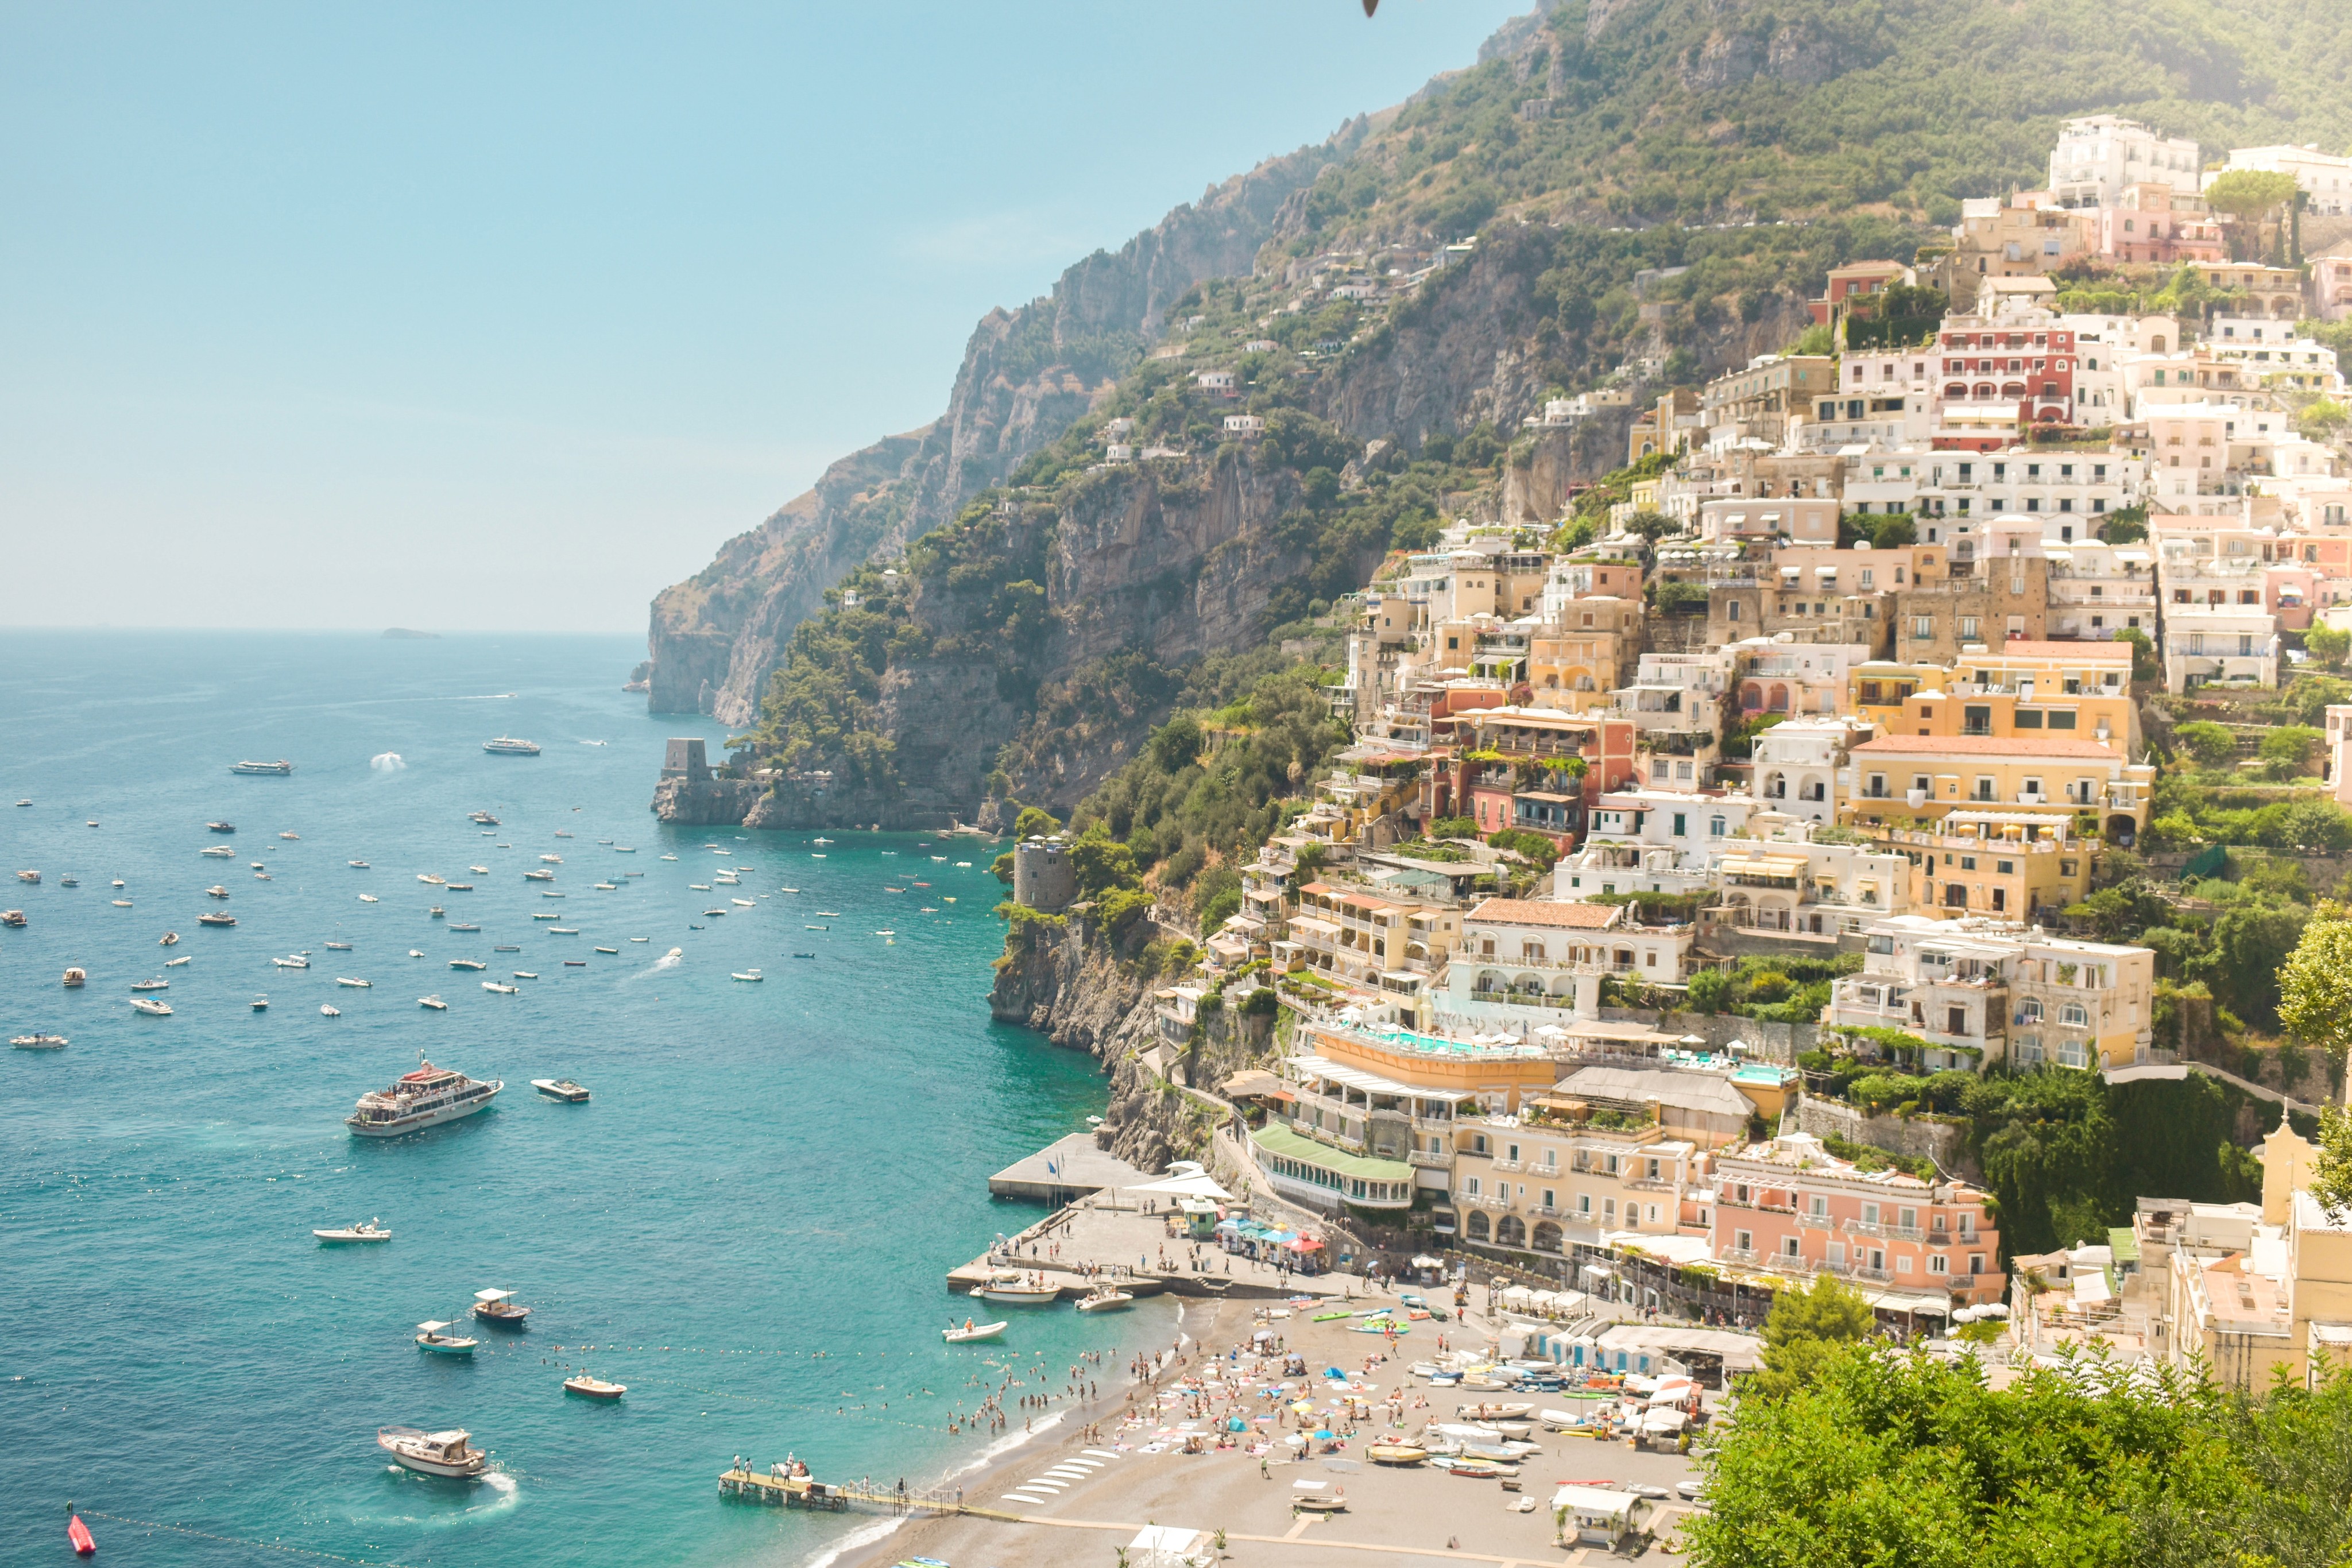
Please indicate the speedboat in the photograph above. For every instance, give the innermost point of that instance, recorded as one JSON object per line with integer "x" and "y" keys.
{"x": 559, "y": 1089}
{"x": 292, "y": 961}
{"x": 354, "y": 983}
{"x": 502, "y": 990}
{"x": 744, "y": 903}
{"x": 483, "y": 818}
{"x": 364, "y": 1230}
{"x": 339, "y": 946}
{"x": 222, "y": 827}
{"x": 436, "y": 911}
{"x": 33, "y": 878}
{"x": 1018, "y": 1290}
{"x": 1104, "y": 1300}
{"x": 291, "y": 838}
{"x": 69, "y": 881}
{"x": 216, "y": 919}
{"x": 76, "y": 977}
{"x": 217, "y": 890}
{"x": 538, "y": 877}
{"x": 593, "y": 1387}
{"x": 280, "y": 768}
{"x": 431, "y": 881}
{"x": 467, "y": 963}
{"x": 416, "y": 952}
{"x": 435, "y": 1003}
{"x": 499, "y": 1307}
{"x": 745, "y": 975}
{"x": 151, "y": 1007}
{"x": 369, "y": 898}
{"x": 156, "y": 985}
{"x": 325, "y": 1012}
{"x": 357, "y": 865}
{"x": 38, "y": 1042}
{"x": 430, "y": 1337}
{"x": 479, "y": 870}
{"x": 218, "y": 853}
{"x": 261, "y": 1004}
{"x": 526, "y": 974}
{"x": 175, "y": 963}
{"x": 970, "y": 1333}
{"x": 507, "y": 746}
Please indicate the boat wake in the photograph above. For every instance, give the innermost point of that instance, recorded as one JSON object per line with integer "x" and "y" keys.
{"x": 495, "y": 1492}
{"x": 386, "y": 762}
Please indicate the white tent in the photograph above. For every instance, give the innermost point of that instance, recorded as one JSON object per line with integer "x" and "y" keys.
{"x": 1185, "y": 1178}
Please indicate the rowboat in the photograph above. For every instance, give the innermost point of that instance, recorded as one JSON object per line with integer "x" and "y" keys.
{"x": 430, "y": 1337}
{"x": 365, "y": 1230}
{"x": 593, "y": 1387}
{"x": 1492, "y": 1412}
{"x": 78, "y": 1534}
{"x": 970, "y": 1333}
{"x": 1396, "y": 1453}
{"x": 499, "y": 1307}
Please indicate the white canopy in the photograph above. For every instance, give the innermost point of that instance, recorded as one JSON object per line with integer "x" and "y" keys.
{"x": 1185, "y": 1178}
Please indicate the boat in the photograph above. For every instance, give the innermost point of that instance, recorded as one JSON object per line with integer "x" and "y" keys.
{"x": 499, "y": 1307}
{"x": 69, "y": 881}
{"x": 38, "y": 1042}
{"x": 357, "y": 865}
{"x": 416, "y": 953}
{"x": 364, "y": 1230}
{"x": 119, "y": 904}
{"x": 743, "y": 903}
{"x": 479, "y": 870}
{"x": 1317, "y": 1497}
{"x": 828, "y": 914}
{"x": 76, "y": 977}
{"x": 436, "y": 911}
{"x": 465, "y": 927}
{"x": 561, "y": 1089}
{"x": 1475, "y": 1468}
{"x": 278, "y": 768}
{"x": 261, "y": 1004}
{"x": 640, "y": 938}
{"x": 507, "y": 746}
{"x": 503, "y": 991}
{"x": 369, "y": 898}
{"x": 564, "y": 833}
{"x": 339, "y": 946}
{"x": 292, "y": 961}
{"x": 708, "y": 913}
{"x": 151, "y": 1007}
{"x": 563, "y": 931}
{"x": 222, "y": 827}
{"x": 355, "y": 985}
{"x": 156, "y": 985}
{"x": 15, "y": 918}
{"x": 613, "y": 950}
{"x": 1104, "y": 1301}
{"x": 1513, "y": 1411}
{"x": 429, "y": 879}
{"x": 430, "y": 1337}
{"x": 971, "y": 1333}
{"x": 482, "y": 817}
{"x": 550, "y": 916}
{"x": 1018, "y": 1290}
{"x": 216, "y": 891}
{"x": 698, "y": 887}
{"x": 608, "y": 887}
{"x": 803, "y": 954}
{"x": 175, "y": 963}
{"x": 1396, "y": 1454}
{"x": 425, "y": 1098}
{"x": 538, "y": 877}
{"x": 216, "y": 919}
{"x": 593, "y": 1387}
{"x": 526, "y": 974}
{"x": 467, "y": 963}
{"x": 78, "y": 1534}
{"x": 669, "y": 857}
{"x": 325, "y": 1012}
{"x": 745, "y": 975}
{"x": 291, "y": 838}
{"x": 435, "y": 1003}
{"x": 218, "y": 853}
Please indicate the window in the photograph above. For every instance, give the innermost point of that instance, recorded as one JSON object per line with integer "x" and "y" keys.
{"x": 2073, "y": 1015}
{"x": 1789, "y": 1246}
{"x": 1745, "y": 1240}
{"x": 1609, "y": 1211}
{"x": 1955, "y": 1021}
{"x": 1937, "y": 1263}
{"x": 1548, "y": 1202}
{"x": 1679, "y": 831}
{"x": 1584, "y": 1203}
{"x": 1473, "y": 1188}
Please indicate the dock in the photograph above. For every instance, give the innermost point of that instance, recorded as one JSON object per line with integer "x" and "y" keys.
{"x": 777, "y": 1489}
{"x": 1066, "y": 1171}
{"x": 1135, "y": 1252}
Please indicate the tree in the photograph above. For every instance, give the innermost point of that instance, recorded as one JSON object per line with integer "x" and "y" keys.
{"x": 2331, "y": 1173}
{"x": 1709, "y": 989}
{"x": 2250, "y": 944}
{"x": 2327, "y": 644}
{"x": 2286, "y": 750}
{"x": 2210, "y": 743}
{"x": 1804, "y": 1330}
{"x": 1100, "y": 862}
{"x": 2146, "y": 666}
{"x": 1035, "y": 821}
{"x": 1176, "y": 744}
{"x": 2254, "y": 197}
{"x": 2316, "y": 982}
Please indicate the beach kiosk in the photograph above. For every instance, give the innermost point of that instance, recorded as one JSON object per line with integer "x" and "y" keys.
{"x": 1597, "y": 1516}
{"x": 1201, "y": 1216}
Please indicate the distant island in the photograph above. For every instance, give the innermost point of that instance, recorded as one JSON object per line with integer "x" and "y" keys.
{"x": 407, "y": 634}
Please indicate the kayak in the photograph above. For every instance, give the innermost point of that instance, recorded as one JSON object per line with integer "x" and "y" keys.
{"x": 78, "y": 1533}
{"x": 1329, "y": 1317}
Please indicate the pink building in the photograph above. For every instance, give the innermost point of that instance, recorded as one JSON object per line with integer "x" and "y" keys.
{"x": 1790, "y": 1206}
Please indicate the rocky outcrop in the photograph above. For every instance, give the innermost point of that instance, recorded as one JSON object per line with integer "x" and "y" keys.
{"x": 1063, "y": 978}
{"x": 1027, "y": 374}
{"x": 706, "y": 802}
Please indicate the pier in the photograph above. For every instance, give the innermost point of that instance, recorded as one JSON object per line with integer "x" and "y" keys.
{"x": 1133, "y": 1249}
{"x": 1066, "y": 1171}
{"x": 778, "y": 1488}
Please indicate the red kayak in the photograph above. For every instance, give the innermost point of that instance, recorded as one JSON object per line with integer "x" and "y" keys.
{"x": 78, "y": 1533}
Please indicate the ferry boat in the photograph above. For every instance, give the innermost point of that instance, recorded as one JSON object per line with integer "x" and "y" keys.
{"x": 76, "y": 977}
{"x": 432, "y": 1453}
{"x": 38, "y": 1042}
{"x": 425, "y": 1098}
{"x": 216, "y": 919}
{"x": 151, "y": 1007}
{"x": 507, "y": 746}
{"x": 561, "y": 1089}
{"x": 499, "y": 1307}
{"x": 221, "y": 827}
{"x": 280, "y": 768}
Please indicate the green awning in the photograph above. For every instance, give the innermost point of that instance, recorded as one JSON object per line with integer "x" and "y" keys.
{"x": 2126, "y": 1245}
{"x": 1292, "y": 1146}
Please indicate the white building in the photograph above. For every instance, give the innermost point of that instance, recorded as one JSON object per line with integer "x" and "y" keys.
{"x": 2100, "y": 155}
{"x": 1797, "y": 765}
{"x": 1652, "y": 840}
{"x": 2326, "y": 178}
{"x": 1524, "y": 962}
{"x": 2206, "y": 642}
{"x": 2098, "y": 590}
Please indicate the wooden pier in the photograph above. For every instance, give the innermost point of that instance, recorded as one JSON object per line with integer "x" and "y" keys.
{"x": 777, "y": 1489}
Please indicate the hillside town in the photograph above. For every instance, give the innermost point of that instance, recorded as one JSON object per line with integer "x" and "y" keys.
{"x": 1859, "y": 670}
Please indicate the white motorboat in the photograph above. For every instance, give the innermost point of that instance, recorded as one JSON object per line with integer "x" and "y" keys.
{"x": 970, "y": 1333}
{"x": 1018, "y": 1290}
{"x": 425, "y": 1098}
{"x": 38, "y": 1042}
{"x": 428, "y": 878}
{"x": 562, "y": 1088}
{"x": 467, "y": 963}
{"x": 502, "y": 990}
{"x": 261, "y": 1004}
{"x": 538, "y": 877}
{"x": 151, "y": 985}
{"x": 526, "y": 974}
{"x": 593, "y": 1387}
{"x": 293, "y": 838}
{"x": 339, "y": 946}
{"x": 430, "y": 1337}
{"x": 1104, "y": 1300}
{"x": 361, "y": 865}
{"x": 745, "y": 903}
{"x": 354, "y": 983}
{"x": 292, "y": 961}
{"x": 370, "y": 898}
{"x": 280, "y": 768}
{"x": 745, "y": 975}
{"x": 175, "y": 963}
{"x": 435, "y": 1003}
{"x": 151, "y": 1007}
{"x": 364, "y": 1230}
{"x": 325, "y": 1012}
{"x": 218, "y": 853}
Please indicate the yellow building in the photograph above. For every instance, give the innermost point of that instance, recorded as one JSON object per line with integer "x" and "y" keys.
{"x": 2029, "y": 690}
{"x": 1577, "y": 663}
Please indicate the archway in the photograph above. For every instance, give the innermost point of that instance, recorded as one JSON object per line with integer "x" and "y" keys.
{"x": 1475, "y": 1227}
{"x": 1546, "y": 1237}
{"x": 1510, "y": 1231}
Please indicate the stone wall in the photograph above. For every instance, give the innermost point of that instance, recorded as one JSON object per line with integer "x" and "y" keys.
{"x": 1943, "y": 1144}
{"x": 1781, "y": 1042}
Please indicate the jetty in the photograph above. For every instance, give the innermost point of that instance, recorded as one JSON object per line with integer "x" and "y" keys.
{"x": 1136, "y": 1244}
{"x": 1064, "y": 1171}
{"x": 781, "y": 1487}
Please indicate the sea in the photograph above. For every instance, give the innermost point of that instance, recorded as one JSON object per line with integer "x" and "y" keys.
{"x": 748, "y": 1224}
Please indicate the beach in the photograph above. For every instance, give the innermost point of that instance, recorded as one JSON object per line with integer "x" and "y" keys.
{"x": 1108, "y": 1488}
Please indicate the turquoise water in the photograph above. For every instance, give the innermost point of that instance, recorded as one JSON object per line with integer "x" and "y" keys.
{"x": 749, "y": 1222}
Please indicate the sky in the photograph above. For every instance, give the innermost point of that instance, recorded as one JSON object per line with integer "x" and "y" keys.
{"x": 468, "y": 317}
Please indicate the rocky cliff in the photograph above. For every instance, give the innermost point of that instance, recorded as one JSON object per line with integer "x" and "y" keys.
{"x": 1026, "y": 374}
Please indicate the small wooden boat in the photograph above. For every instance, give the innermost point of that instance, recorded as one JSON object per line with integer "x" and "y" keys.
{"x": 1104, "y": 1301}
{"x": 561, "y": 1089}
{"x": 432, "y": 1453}
{"x": 38, "y": 1042}
{"x": 612, "y": 950}
{"x": 589, "y": 1387}
{"x": 365, "y": 1230}
{"x": 970, "y": 1333}
{"x": 430, "y": 1337}
{"x": 1513, "y": 1411}
{"x": 500, "y": 1308}
{"x": 575, "y": 963}
{"x": 1396, "y": 1454}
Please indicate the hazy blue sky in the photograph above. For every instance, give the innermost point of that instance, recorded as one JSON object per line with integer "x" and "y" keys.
{"x": 504, "y": 316}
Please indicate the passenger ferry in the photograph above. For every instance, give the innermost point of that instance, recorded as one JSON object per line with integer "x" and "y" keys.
{"x": 507, "y": 746}
{"x": 425, "y": 1098}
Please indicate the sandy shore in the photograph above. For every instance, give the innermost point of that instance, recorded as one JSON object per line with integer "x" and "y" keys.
{"x": 1104, "y": 1491}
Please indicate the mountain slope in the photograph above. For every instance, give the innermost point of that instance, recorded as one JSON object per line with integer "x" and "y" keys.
{"x": 1656, "y": 186}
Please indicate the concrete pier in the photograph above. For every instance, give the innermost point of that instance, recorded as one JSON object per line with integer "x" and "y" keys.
{"x": 1127, "y": 1248}
{"x": 1064, "y": 1171}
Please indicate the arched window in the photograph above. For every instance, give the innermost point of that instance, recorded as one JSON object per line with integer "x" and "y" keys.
{"x": 1546, "y": 1239}
{"x": 1475, "y": 1227}
{"x": 2072, "y": 1013}
{"x": 1510, "y": 1231}
{"x": 1714, "y": 827}
{"x": 2029, "y": 1010}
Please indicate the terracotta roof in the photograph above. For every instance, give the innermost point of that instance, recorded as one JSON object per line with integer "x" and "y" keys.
{"x": 1982, "y": 746}
{"x": 1543, "y": 911}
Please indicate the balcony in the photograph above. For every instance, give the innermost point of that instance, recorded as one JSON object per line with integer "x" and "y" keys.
{"x": 1735, "y": 1255}
{"x": 1506, "y": 1165}
{"x": 1813, "y": 1222}
{"x": 1421, "y": 1159}
{"x": 1879, "y": 1275}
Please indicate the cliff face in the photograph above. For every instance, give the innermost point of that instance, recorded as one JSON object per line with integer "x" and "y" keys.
{"x": 1026, "y": 375}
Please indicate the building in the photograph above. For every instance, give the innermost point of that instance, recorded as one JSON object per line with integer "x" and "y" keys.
{"x": 1379, "y": 943}
{"x": 1655, "y": 839}
{"x": 1927, "y": 778}
{"x": 2203, "y": 643}
{"x": 2324, "y": 177}
{"x": 1998, "y": 600}
{"x": 1857, "y": 285}
{"x": 2101, "y": 156}
{"x": 1997, "y": 239}
{"x": 1043, "y": 876}
{"x": 1526, "y": 953}
{"x": 1541, "y": 1181}
{"x": 2155, "y": 224}
{"x": 1757, "y": 403}
{"x": 1798, "y": 764}
{"x": 1798, "y": 880}
{"x": 1791, "y": 1206}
